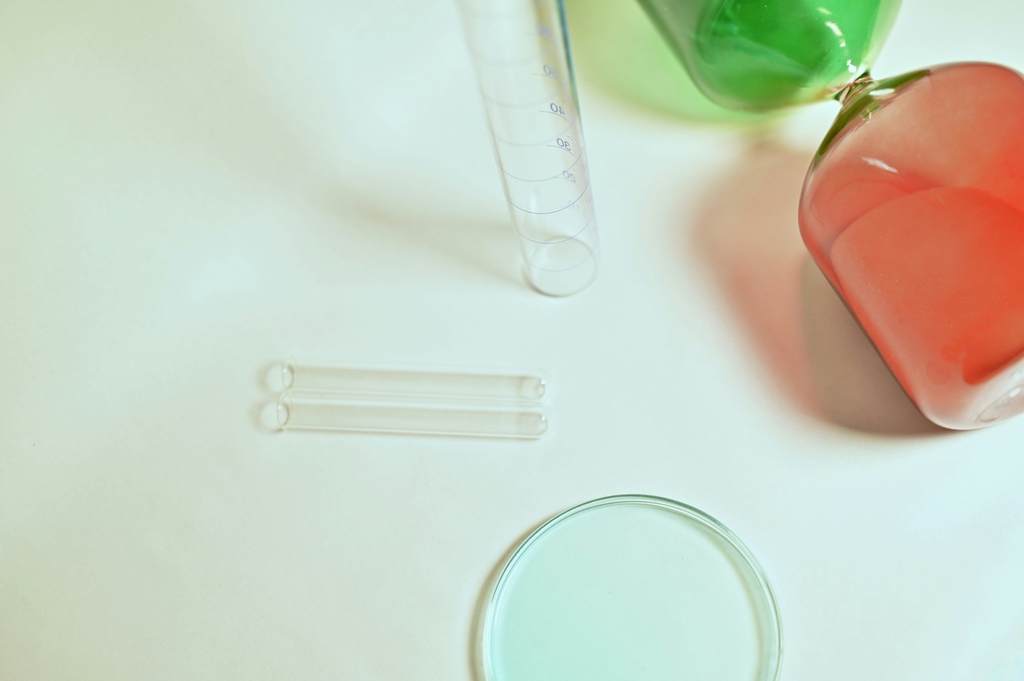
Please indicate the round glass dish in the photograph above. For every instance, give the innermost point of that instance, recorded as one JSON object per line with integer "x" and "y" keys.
{"x": 631, "y": 587}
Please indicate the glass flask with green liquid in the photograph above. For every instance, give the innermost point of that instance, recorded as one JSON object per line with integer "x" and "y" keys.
{"x": 760, "y": 55}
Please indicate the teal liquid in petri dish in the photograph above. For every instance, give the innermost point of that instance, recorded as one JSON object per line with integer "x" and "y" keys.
{"x": 631, "y": 590}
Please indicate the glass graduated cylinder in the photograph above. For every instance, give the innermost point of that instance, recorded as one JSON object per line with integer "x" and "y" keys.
{"x": 520, "y": 51}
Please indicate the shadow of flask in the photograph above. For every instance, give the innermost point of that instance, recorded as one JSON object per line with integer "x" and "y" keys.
{"x": 816, "y": 355}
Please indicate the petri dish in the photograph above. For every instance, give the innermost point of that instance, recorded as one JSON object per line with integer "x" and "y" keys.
{"x": 631, "y": 587}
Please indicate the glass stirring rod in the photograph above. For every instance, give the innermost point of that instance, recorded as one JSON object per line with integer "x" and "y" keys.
{"x": 413, "y": 383}
{"x": 317, "y": 411}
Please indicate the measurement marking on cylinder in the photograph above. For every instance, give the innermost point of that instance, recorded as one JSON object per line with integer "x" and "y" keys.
{"x": 526, "y": 145}
{"x": 581, "y": 157}
{"x": 510, "y": 105}
{"x": 539, "y": 143}
{"x": 563, "y": 144}
{"x": 550, "y": 212}
{"x": 554, "y": 113}
{"x": 568, "y": 238}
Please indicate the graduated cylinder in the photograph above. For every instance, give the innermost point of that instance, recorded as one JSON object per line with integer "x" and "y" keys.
{"x": 521, "y": 54}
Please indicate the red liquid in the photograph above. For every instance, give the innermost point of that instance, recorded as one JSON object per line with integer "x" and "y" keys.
{"x": 915, "y": 213}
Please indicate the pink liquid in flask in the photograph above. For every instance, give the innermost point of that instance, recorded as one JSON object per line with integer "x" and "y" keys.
{"x": 914, "y": 211}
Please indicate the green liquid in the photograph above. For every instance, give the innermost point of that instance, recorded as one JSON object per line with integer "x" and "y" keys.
{"x": 759, "y": 55}
{"x": 616, "y": 48}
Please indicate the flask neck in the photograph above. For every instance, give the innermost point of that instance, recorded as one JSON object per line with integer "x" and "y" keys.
{"x": 854, "y": 88}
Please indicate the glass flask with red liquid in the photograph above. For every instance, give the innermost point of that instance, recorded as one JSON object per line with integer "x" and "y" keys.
{"x": 913, "y": 207}
{"x": 914, "y": 211}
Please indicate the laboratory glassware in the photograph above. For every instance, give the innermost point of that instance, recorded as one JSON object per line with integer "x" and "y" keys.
{"x": 408, "y": 382}
{"x": 318, "y": 395}
{"x": 759, "y": 56}
{"x": 521, "y": 54}
{"x": 327, "y": 411}
{"x": 914, "y": 211}
{"x": 913, "y": 207}
{"x": 631, "y": 587}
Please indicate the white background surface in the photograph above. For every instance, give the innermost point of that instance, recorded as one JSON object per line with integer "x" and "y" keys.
{"x": 191, "y": 191}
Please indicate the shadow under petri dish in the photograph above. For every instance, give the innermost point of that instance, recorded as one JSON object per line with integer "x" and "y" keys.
{"x": 631, "y": 587}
